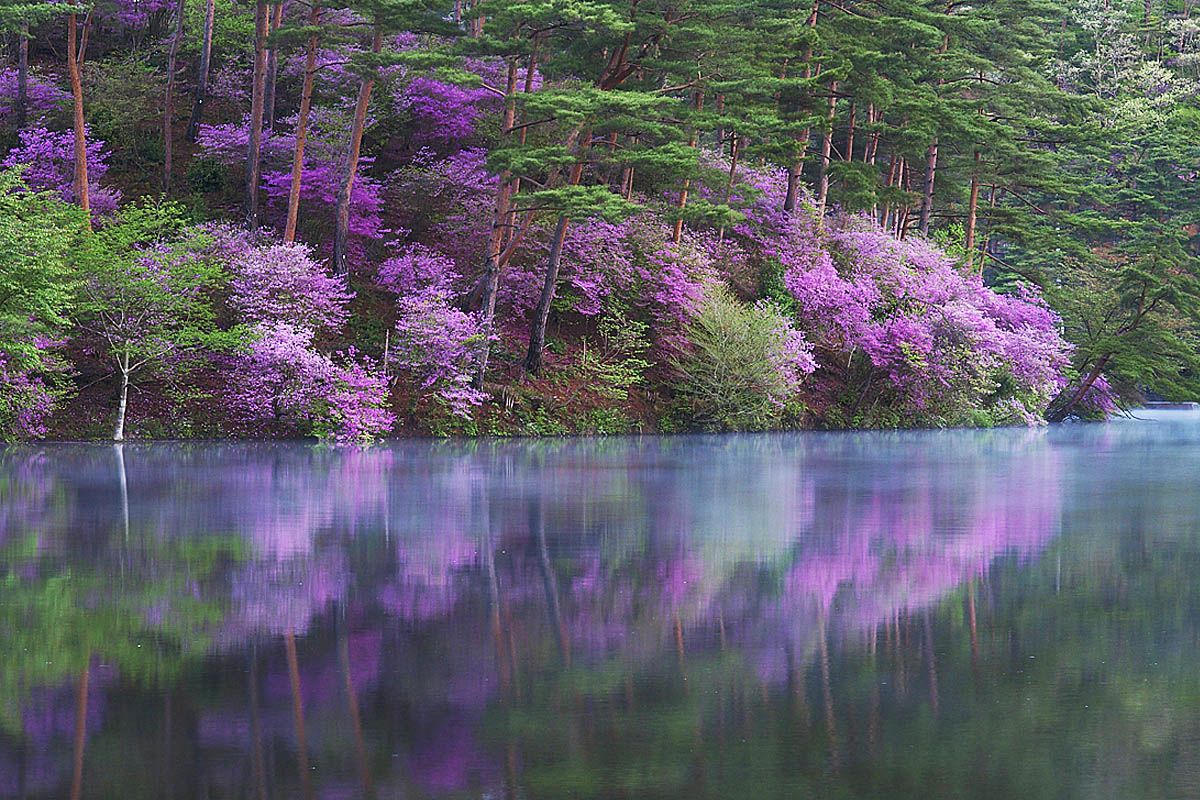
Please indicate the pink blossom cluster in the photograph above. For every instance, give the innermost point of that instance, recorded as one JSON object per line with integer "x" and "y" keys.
{"x": 48, "y": 159}
{"x": 41, "y": 96}
{"x": 443, "y": 113}
{"x": 937, "y": 338}
{"x": 435, "y": 342}
{"x": 25, "y": 402}
{"x": 320, "y": 180}
{"x": 288, "y": 299}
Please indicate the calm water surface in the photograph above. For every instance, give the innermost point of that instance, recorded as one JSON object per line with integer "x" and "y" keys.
{"x": 980, "y": 614}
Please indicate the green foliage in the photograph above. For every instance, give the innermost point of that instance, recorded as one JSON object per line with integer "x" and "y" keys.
{"x": 124, "y": 98}
{"x": 1136, "y": 308}
{"x": 205, "y": 176}
{"x": 619, "y": 362}
{"x": 39, "y": 235}
{"x": 146, "y": 298}
{"x": 730, "y": 377}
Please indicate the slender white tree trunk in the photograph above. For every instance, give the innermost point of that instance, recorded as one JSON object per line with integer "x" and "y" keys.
{"x": 119, "y": 431}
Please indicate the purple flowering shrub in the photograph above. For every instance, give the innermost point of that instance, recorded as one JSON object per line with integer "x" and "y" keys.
{"x": 283, "y": 379}
{"x": 903, "y": 334}
{"x": 320, "y": 181}
{"x": 26, "y": 402}
{"x": 276, "y": 282}
{"x": 136, "y": 14}
{"x": 447, "y": 203}
{"x": 443, "y": 114}
{"x": 288, "y": 299}
{"x": 48, "y": 159}
{"x": 42, "y": 96}
{"x": 435, "y": 343}
{"x": 931, "y": 344}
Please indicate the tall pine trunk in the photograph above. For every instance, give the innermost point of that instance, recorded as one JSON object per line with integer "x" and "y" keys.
{"x": 169, "y": 98}
{"x": 510, "y": 226}
{"x": 310, "y": 70}
{"x": 826, "y": 150}
{"x": 500, "y": 216}
{"x": 973, "y": 215}
{"x": 537, "y": 331}
{"x": 254, "y": 156}
{"x": 73, "y": 68}
{"x": 341, "y": 233}
{"x": 849, "y": 154}
{"x": 272, "y": 69}
{"x": 931, "y": 160}
{"x": 210, "y": 17}
{"x": 1066, "y": 402}
{"x": 795, "y": 169}
{"x": 693, "y": 141}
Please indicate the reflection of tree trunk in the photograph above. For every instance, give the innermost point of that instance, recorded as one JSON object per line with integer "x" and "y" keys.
{"x": 81, "y": 707}
{"x": 549, "y": 582}
{"x": 874, "y": 719}
{"x": 168, "y": 756}
{"x": 23, "y": 768}
{"x": 510, "y": 771}
{"x": 931, "y": 665}
{"x": 360, "y": 746}
{"x": 258, "y": 765}
{"x": 681, "y": 651}
{"x": 298, "y": 714}
{"x": 827, "y": 693}
{"x": 123, "y": 484}
{"x": 974, "y": 629}
{"x": 494, "y": 616}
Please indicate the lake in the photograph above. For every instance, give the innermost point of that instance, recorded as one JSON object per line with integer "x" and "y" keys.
{"x": 940, "y": 614}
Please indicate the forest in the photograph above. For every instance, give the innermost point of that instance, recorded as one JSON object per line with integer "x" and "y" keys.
{"x": 364, "y": 218}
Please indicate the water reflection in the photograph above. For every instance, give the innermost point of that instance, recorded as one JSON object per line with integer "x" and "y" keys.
{"x": 912, "y": 614}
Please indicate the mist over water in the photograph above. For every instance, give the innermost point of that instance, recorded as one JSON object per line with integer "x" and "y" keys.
{"x": 1005, "y": 613}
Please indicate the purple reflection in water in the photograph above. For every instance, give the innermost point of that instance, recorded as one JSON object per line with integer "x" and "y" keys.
{"x": 433, "y": 588}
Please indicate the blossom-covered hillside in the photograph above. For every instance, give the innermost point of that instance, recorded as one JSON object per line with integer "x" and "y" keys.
{"x": 371, "y": 219}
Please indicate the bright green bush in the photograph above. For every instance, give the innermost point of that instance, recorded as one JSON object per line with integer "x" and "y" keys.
{"x": 741, "y": 367}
